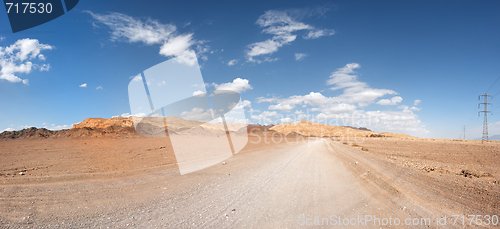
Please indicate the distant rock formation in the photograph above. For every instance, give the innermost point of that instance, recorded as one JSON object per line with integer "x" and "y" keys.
{"x": 91, "y": 127}
{"x": 311, "y": 129}
{"x": 103, "y": 123}
{"x": 258, "y": 128}
{"x": 27, "y": 133}
{"x": 152, "y": 126}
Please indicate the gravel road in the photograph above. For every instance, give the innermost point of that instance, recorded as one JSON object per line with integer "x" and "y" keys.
{"x": 318, "y": 182}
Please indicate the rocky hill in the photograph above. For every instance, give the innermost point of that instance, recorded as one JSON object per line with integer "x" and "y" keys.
{"x": 91, "y": 127}
{"x": 310, "y": 129}
{"x": 103, "y": 123}
{"x": 125, "y": 127}
{"x": 27, "y": 133}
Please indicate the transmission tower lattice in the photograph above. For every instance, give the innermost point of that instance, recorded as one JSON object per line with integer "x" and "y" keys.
{"x": 485, "y": 114}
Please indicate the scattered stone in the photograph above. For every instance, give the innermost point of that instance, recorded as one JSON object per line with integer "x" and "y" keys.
{"x": 467, "y": 173}
{"x": 22, "y": 173}
{"x": 223, "y": 163}
{"x": 429, "y": 169}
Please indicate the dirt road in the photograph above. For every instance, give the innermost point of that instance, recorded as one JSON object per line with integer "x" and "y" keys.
{"x": 318, "y": 182}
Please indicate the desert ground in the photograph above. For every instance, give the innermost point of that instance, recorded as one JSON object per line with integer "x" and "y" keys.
{"x": 284, "y": 181}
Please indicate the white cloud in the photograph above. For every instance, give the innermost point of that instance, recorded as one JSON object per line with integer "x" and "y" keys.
{"x": 267, "y": 100}
{"x": 348, "y": 107}
{"x": 151, "y": 32}
{"x": 8, "y": 129}
{"x": 317, "y": 33}
{"x": 283, "y": 29}
{"x": 281, "y": 107}
{"x": 83, "y": 85}
{"x": 345, "y": 77}
{"x": 392, "y": 101}
{"x": 43, "y": 67}
{"x": 354, "y": 91}
{"x": 179, "y": 47}
{"x": 197, "y": 114}
{"x": 17, "y": 59}
{"x": 128, "y": 115}
{"x": 43, "y": 125}
{"x": 415, "y": 107}
{"x": 263, "y": 48}
{"x": 286, "y": 120}
{"x": 99, "y": 88}
{"x": 396, "y": 121}
{"x": 134, "y": 30}
{"x": 124, "y": 115}
{"x": 265, "y": 117}
{"x": 313, "y": 98}
{"x": 56, "y": 126}
{"x": 198, "y": 93}
{"x": 300, "y": 56}
{"x": 238, "y": 85}
{"x": 245, "y": 104}
{"x": 232, "y": 62}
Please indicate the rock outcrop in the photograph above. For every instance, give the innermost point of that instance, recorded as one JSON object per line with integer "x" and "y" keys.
{"x": 310, "y": 129}
{"x": 127, "y": 126}
{"x": 103, "y": 123}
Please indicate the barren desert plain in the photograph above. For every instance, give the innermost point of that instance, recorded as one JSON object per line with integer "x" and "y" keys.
{"x": 292, "y": 175}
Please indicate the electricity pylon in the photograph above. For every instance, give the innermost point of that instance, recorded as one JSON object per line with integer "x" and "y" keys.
{"x": 485, "y": 114}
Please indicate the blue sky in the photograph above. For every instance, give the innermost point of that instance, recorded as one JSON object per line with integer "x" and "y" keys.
{"x": 413, "y": 67}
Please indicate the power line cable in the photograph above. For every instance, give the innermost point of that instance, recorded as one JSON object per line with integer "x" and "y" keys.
{"x": 495, "y": 107}
{"x": 493, "y": 84}
{"x": 498, "y": 93}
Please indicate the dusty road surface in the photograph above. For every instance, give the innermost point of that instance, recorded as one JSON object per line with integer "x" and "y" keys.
{"x": 316, "y": 182}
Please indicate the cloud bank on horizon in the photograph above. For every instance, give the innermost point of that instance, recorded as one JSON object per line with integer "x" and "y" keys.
{"x": 351, "y": 106}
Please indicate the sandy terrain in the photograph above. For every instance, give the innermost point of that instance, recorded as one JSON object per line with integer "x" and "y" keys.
{"x": 133, "y": 181}
{"x": 67, "y": 158}
{"x": 466, "y": 172}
